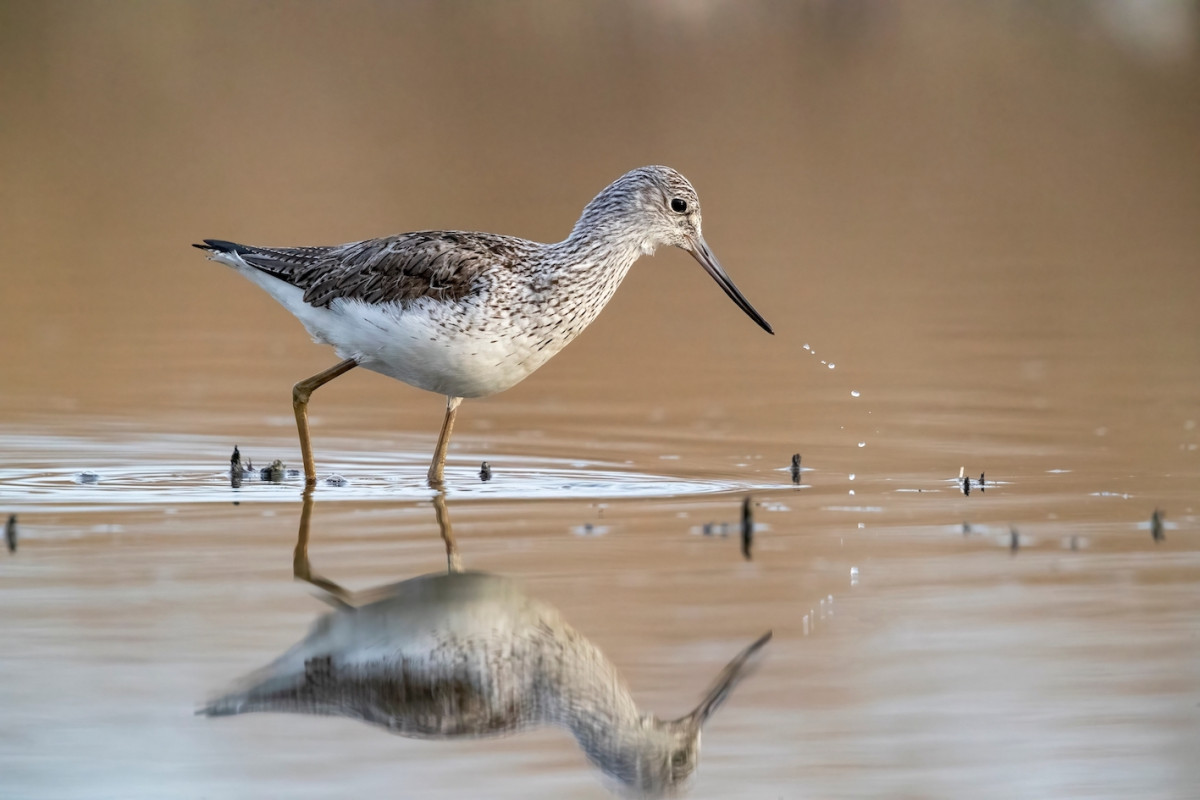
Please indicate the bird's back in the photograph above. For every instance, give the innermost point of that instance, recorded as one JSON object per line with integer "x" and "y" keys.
{"x": 443, "y": 265}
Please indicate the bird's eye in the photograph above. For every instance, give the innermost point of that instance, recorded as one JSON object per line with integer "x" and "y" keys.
{"x": 679, "y": 205}
{"x": 679, "y": 757}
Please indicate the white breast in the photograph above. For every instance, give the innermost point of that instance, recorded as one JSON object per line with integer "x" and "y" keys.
{"x": 433, "y": 345}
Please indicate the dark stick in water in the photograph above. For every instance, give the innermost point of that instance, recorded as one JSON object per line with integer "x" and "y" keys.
{"x": 747, "y": 526}
{"x": 235, "y": 468}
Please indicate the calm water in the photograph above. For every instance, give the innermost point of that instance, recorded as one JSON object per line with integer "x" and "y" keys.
{"x": 974, "y": 233}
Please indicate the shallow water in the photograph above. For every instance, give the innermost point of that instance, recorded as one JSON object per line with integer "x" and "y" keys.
{"x": 1002, "y": 285}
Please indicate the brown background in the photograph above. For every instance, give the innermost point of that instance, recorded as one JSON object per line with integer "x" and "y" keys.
{"x": 984, "y": 214}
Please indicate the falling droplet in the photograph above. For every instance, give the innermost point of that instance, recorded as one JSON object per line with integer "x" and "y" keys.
{"x": 862, "y": 444}
{"x": 854, "y": 393}
{"x": 832, "y": 366}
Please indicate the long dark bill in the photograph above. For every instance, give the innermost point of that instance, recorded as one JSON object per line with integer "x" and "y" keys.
{"x": 734, "y": 671}
{"x": 701, "y": 253}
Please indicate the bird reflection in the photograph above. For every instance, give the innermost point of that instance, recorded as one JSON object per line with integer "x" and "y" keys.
{"x": 469, "y": 654}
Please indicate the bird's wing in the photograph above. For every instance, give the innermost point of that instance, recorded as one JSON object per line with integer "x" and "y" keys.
{"x": 441, "y": 264}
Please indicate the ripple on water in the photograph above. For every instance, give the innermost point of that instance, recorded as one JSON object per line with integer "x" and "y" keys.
{"x": 46, "y": 472}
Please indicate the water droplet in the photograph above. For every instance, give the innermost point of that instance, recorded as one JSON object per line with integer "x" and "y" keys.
{"x": 806, "y": 347}
{"x": 832, "y": 366}
{"x": 862, "y": 444}
{"x": 854, "y": 393}
{"x": 851, "y": 476}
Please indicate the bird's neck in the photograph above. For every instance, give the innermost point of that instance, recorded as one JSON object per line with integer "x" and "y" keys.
{"x": 607, "y": 238}
{"x": 592, "y": 262}
{"x": 589, "y": 698}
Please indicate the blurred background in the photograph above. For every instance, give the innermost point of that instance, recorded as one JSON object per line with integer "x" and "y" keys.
{"x": 984, "y": 214}
{"x": 839, "y": 148}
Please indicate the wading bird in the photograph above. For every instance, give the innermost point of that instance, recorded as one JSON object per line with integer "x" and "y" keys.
{"x": 472, "y": 314}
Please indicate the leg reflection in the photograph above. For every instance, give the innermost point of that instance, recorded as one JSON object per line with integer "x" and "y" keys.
{"x": 453, "y": 562}
{"x": 334, "y": 593}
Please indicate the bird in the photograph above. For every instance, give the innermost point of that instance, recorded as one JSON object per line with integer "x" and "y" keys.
{"x": 469, "y": 314}
{"x": 466, "y": 654}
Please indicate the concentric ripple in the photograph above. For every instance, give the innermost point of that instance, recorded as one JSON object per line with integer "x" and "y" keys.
{"x": 45, "y": 472}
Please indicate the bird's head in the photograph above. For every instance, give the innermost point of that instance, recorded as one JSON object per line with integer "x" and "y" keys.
{"x": 650, "y": 207}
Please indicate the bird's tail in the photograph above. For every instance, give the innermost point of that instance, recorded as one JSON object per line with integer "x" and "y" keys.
{"x": 266, "y": 690}
{"x": 222, "y": 246}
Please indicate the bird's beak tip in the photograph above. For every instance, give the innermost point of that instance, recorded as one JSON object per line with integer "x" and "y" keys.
{"x": 701, "y": 252}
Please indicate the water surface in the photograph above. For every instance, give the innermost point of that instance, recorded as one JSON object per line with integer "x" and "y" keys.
{"x": 975, "y": 263}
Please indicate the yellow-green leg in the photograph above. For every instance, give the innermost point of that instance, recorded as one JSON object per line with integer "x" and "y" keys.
{"x": 300, "y": 394}
{"x": 439, "y": 455}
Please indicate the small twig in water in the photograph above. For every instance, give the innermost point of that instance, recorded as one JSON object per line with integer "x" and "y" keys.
{"x": 747, "y": 526}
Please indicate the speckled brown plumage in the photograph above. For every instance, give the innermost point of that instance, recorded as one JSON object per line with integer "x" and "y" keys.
{"x": 444, "y": 265}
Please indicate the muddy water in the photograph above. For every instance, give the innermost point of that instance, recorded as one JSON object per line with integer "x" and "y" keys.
{"x": 974, "y": 233}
